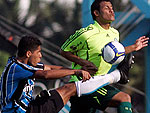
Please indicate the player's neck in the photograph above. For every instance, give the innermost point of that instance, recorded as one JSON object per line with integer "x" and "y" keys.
{"x": 22, "y": 60}
{"x": 104, "y": 24}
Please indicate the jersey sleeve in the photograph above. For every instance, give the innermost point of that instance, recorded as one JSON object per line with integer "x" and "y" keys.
{"x": 75, "y": 42}
{"x": 24, "y": 72}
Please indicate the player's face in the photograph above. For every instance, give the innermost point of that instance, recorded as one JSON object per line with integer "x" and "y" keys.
{"x": 35, "y": 56}
{"x": 106, "y": 12}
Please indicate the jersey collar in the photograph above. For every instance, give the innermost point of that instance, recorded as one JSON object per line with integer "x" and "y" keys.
{"x": 96, "y": 24}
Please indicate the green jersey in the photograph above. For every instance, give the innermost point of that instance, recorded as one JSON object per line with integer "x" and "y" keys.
{"x": 87, "y": 43}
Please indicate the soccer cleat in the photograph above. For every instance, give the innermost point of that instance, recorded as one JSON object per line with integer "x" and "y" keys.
{"x": 124, "y": 67}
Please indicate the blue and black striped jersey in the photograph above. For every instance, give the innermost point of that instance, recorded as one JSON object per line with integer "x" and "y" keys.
{"x": 17, "y": 86}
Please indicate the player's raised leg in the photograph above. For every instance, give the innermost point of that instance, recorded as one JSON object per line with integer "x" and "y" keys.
{"x": 84, "y": 88}
{"x": 121, "y": 75}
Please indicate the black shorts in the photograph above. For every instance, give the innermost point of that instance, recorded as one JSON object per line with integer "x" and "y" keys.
{"x": 45, "y": 103}
{"x": 97, "y": 100}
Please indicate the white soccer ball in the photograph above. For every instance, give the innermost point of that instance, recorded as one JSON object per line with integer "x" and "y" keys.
{"x": 113, "y": 52}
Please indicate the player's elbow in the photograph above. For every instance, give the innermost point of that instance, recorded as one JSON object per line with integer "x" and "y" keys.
{"x": 62, "y": 52}
{"x": 45, "y": 75}
{"x": 65, "y": 54}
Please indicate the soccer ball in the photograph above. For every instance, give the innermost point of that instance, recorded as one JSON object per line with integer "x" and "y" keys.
{"x": 113, "y": 52}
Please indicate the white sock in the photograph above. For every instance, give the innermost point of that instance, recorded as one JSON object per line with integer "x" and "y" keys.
{"x": 115, "y": 75}
{"x": 96, "y": 82}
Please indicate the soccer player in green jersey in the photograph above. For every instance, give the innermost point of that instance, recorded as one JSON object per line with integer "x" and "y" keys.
{"x": 84, "y": 49}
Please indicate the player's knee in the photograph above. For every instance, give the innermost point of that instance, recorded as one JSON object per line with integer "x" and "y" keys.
{"x": 125, "y": 97}
{"x": 122, "y": 97}
{"x": 70, "y": 86}
{"x": 69, "y": 89}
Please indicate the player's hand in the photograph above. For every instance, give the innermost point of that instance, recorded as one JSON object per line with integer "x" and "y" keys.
{"x": 91, "y": 69}
{"x": 84, "y": 74}
{"x": 141, "y": 43}
{"x": 89, "y": 66}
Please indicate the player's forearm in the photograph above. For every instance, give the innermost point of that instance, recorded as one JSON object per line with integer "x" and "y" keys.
{"x": 73, "y": 58}
{"x": 129, "y": 49}
{"x": 53, "y": 74}
{"x": 53, "y": 67}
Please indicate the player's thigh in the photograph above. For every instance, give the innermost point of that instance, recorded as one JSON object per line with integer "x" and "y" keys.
{"x": 100, "y": 99}
{"x": 81, "y": 105}
{"x": 46, "y": 103}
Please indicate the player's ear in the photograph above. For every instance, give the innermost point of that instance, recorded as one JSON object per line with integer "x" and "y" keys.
{"x": 28, "y": 54}
{"x": 96, "y": 13}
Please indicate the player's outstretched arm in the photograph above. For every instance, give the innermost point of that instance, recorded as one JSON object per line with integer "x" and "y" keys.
{"x": 139, "y": 44}
{"x": 54, "y": 74}
{"x": 53, "y": 67}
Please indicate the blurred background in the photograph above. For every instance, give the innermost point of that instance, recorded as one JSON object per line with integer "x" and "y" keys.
{"x": 53, "y": 21}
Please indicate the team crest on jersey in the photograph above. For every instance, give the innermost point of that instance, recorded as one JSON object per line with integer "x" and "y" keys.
{"x": 115, "y": 39}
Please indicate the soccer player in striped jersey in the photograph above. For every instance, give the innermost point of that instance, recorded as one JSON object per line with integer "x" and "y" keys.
{"x": 17, "y": 81}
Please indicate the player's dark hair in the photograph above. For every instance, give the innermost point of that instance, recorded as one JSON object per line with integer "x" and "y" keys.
{"x": 95, "y": 6}
{"x": 27, "y": 43}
